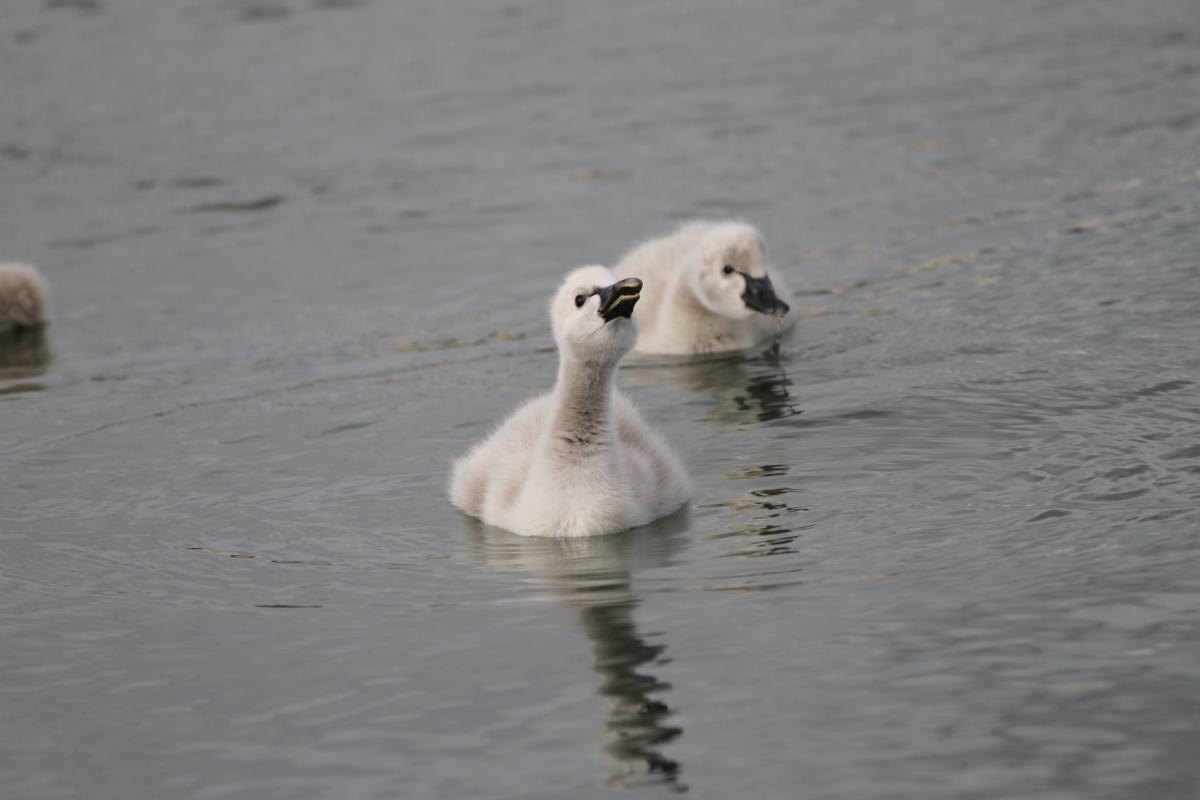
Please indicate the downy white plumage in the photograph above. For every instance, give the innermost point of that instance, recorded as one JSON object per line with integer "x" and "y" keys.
{"x": 706, "y": 290}
{"x": 580, "y": 460}
{"x": 23, "y": 296}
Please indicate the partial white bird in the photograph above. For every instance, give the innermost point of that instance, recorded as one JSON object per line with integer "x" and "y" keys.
{"x": 706, "y": 290}
{"x": 23, "y": 296}
{"x": 580, "y": 460}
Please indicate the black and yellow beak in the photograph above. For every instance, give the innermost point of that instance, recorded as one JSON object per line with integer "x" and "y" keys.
{"x": 618, "y": 300}
{"x": 760, "y": 296}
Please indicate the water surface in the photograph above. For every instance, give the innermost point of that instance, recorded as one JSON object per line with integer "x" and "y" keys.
{"x": 944, "y": 541}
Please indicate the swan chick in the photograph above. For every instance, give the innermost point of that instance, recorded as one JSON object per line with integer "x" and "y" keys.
{"x": 23, "y": 296}
{"x": 579, "y": 460}
{"x": 707, "y": 290}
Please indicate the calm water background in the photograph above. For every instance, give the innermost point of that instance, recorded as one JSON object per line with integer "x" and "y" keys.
{"x": 944, "y": 543}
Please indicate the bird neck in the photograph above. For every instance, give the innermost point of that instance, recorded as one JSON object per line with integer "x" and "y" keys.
{"x": 582, "y": 422}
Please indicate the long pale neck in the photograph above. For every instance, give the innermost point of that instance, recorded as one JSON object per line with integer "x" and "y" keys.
{"x": 583, "y": 398}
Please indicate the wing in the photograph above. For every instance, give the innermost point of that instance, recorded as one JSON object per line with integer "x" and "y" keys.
{"x": 658, "y": 471}
{"x": 499, "y": 458}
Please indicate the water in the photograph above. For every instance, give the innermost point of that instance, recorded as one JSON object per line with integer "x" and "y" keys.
{"x": 944, "y": 543}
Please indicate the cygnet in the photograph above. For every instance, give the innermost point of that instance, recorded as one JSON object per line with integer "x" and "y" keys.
{"x": 706, "y": 290}
{"x": 23, "y": 296}
{"x": 580, "y": 460}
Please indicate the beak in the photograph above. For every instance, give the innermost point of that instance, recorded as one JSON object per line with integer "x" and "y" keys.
{"x": 760, "y": 296}
{"x": 618, "y": 300}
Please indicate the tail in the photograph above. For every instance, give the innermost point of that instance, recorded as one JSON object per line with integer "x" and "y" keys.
{"x": 23, "y": 296}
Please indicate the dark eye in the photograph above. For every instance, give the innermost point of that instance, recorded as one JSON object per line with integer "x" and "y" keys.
{"x": 580, "y": 299}
{"x": 728, "y": 270}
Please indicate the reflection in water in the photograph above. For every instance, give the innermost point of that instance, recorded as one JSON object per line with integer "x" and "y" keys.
{"x": 593, "y": 577}
{"x": 748, "y": 387}
{"x": 762, "y": 524}
{"x": 634, "y": 722}
{"x": 24, "y": 352}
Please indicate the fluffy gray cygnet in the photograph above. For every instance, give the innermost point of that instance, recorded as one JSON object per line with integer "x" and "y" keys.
{"x": 23, "y": 296}
{"x": 580, "y": 460}
{"x": 707, "y": 290}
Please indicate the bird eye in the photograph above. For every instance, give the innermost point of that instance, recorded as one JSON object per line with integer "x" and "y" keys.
{"x": 728, "y": 269}
{"x": 580, "y": 300}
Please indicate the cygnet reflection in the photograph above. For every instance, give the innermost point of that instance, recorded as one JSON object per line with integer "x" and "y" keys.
{"x": 593, "y": 577}
{"x": 24, "y": 353}
{"x": 747, "y": 387}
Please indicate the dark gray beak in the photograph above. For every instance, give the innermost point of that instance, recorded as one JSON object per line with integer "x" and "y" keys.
{"x": 618, "y": 300}
{"x": 760, "y": 296}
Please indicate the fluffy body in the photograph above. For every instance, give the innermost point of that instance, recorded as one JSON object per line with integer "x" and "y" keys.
{"x": 23, "y": 296}
{"x": 579, "y": 460}
{"x": 689, "y": 304}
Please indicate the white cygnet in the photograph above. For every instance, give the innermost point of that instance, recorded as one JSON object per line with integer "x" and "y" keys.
{"x": 706, "y": 290}
{"x": 23, "y": 296}
{"x": 580, "y": 460}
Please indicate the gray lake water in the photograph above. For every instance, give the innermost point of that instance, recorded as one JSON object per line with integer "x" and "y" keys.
{"x": 945, "y": 540}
